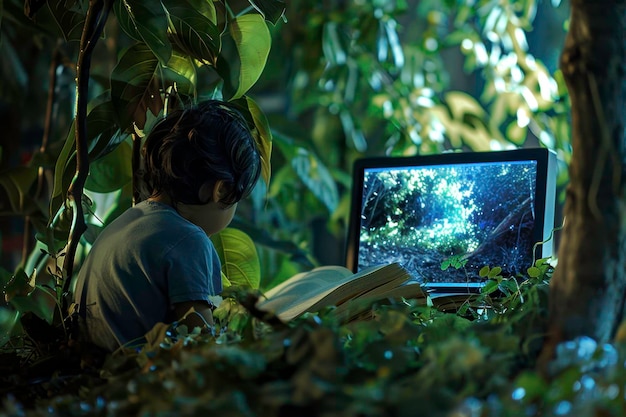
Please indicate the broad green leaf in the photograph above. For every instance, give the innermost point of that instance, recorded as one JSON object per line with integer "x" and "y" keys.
{"x": 19, "y": 284}
{"x": 69, "y": 20}
{"x": 150, "y": 22}
{"x": 123, "y": 204}
{"x": 253, "y": 41}
{"x": 103, "y": 135}
{"x": 489, "y": 287}
{"x": 181, "y": 70}
{"x": 16, "y": 184}
{"x": 193, "y": 31}
{"x": 264, "y": 134}
{"x": 508, "y": 286}
{"x": 125, "y": 21}
{"x": 111, "y": 172}
{"x": 205, "y": 8}
{"x": 263, "y": 238}
{"x": 311, "y": 171}
{"x": 37, "y": 302}
{"x": 484, "y": 271}
{"x": 465, "y": 122}
{"x": 271, "y": 10}
{"x": 135, "y": 86}
{"x": 138, "y": 80}
{"x": 240, "y": 261}
{"x": 225, "y": 281}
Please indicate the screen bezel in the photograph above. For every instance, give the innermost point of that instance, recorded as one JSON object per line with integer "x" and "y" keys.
{"x": 545, "y": 193}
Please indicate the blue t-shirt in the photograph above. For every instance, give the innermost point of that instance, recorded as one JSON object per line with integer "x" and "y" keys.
{"x": 146, "y": 260}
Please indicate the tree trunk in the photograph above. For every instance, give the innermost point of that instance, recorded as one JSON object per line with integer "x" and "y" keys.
{"x": 589, "y": 284}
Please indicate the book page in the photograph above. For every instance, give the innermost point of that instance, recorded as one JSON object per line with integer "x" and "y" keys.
{"x": 324, "y": 286}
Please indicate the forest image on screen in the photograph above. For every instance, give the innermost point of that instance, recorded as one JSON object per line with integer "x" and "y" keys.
{"x": 480, "y": 213}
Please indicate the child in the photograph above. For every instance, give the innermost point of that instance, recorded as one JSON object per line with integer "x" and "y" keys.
{"x": 156, "y": 261}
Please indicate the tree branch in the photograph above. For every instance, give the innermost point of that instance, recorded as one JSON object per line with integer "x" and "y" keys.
{"x": 95, "y": 20}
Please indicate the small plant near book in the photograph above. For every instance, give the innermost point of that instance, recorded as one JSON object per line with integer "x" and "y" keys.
{"x": 454, "y": 261}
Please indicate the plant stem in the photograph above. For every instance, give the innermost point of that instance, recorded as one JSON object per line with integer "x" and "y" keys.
{"x": 95, "y": 20}
{"x": 57, "y": 59}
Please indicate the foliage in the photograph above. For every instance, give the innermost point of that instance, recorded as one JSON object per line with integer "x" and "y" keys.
{"x": 409, "y": 360}
{"x": 363, "y": 78}
{"x": 374, "y": 78}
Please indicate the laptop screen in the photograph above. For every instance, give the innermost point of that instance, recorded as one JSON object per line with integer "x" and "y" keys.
{"x": 444, "y": 217}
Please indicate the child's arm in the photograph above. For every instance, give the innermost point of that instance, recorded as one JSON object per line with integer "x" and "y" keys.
{"x": 203, "y": 318}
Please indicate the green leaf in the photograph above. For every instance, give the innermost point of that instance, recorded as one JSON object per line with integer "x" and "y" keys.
{"x": 148, "y": 19}
{"x": 253, "y": 41}
{"x": 180, "y": 70}
{"x": 264, "y": 238}
{"x": 263, "y": 137}
{"x": 194, "y": 30}
{"x": 489, "y": 287}
{"x": 271, "y": 10}
{"x": 38, "y": 303}
{"x": 311, "y": 171}
{"x": 103, "y": 134}
{"x": 240, "y": 261}
{"x": 445, "y": 264}
{"x": 314, "y": 174}
{"x": 111, "y": 172}
{"x": 16, "y": 184}
{"x": 494, "y": 272}
{"x": 135, "y": 86}
{"x": 465, "y": 122}
{"x": 19, "y": 284}
{"x": 508, "y": 286}
{"x": 484, "y": 271}
{"x": 125, "y": 21}
{"x": 533, "y": 272}
{"x": 69, "y": 20}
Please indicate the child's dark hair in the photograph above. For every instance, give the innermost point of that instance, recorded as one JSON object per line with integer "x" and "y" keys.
{"x": 208, "y": 142}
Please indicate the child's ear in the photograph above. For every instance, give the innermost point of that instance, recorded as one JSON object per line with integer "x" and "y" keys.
{"x": 205, "y": 193}
{"x": 219, "y": 191}
{"x": 210, "y": 191}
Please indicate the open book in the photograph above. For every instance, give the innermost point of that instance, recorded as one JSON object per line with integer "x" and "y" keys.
{"x": 351, "y": 293}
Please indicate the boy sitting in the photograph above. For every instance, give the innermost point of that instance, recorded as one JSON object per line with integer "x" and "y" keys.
{"x": 155, "y": 261}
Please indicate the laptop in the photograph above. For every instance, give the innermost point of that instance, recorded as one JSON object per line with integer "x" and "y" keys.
{"x": 444, "y": 217}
